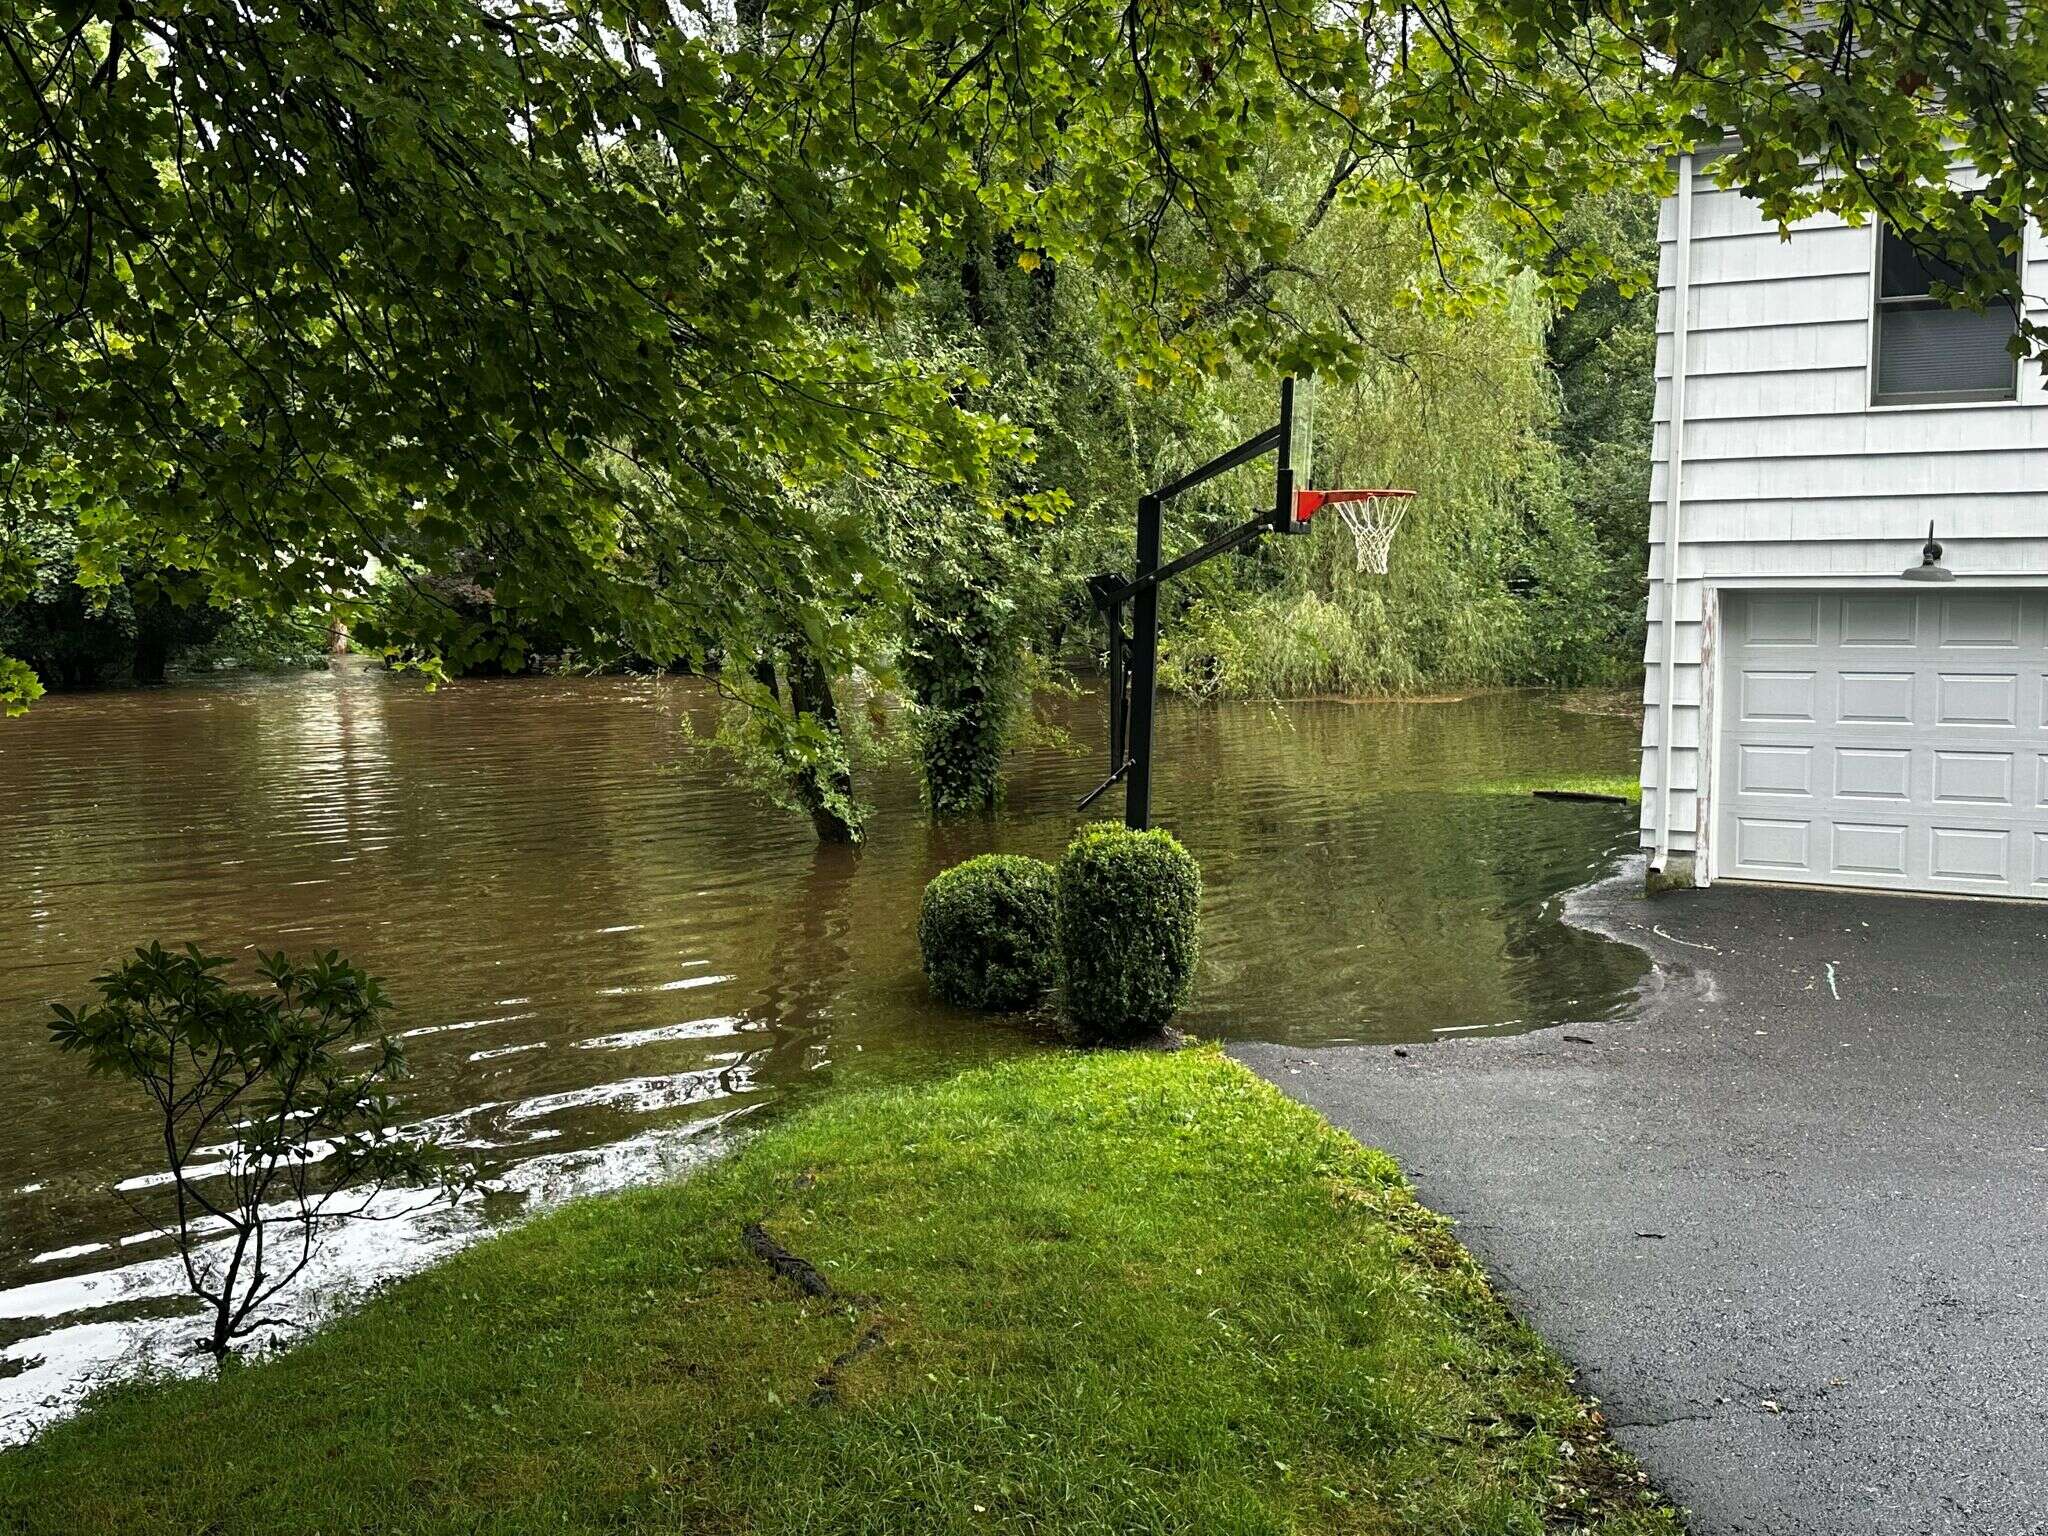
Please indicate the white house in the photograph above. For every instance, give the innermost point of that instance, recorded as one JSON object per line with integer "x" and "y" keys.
{"x": 1817, "y": 718}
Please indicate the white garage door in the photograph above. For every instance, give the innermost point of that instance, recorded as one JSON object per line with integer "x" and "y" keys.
{"x": 1893, "y": 739}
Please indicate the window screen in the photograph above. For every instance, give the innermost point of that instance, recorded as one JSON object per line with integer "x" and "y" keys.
{"x": 1927, "y": 351}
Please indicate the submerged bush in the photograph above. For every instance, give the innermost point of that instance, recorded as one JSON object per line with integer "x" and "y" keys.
{"x": 302, "y": 1142}
{"x": 1129, "y": 929}
{"x": 988, "y": 932}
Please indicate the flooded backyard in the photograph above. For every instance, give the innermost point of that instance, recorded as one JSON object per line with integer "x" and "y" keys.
{"x": 607, "y": 960}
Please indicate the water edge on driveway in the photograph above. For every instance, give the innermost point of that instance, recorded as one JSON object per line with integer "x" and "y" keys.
{"x": 1788, "y": 1216}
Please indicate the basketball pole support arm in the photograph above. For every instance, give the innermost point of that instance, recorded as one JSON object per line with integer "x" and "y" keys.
{"x": 1134, "y": 657}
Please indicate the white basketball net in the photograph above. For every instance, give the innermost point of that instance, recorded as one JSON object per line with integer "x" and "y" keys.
{"x": 1372, "y": 522}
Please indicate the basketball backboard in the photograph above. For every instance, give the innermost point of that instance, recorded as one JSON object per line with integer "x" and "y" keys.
{"x": 1296, "y": 459}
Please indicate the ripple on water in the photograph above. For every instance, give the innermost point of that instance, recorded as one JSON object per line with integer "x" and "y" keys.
{"x": 607, "y": 959}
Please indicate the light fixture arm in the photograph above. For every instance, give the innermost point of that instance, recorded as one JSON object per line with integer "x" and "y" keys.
{"x": 1930, "y": 567}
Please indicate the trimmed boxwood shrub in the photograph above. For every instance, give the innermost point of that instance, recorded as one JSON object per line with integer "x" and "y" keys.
{"x": 989, "y": 933}
{"x": 1129, "y": 930}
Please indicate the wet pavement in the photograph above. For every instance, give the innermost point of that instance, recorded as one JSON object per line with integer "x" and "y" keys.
{"x": 1789, "y": 1218}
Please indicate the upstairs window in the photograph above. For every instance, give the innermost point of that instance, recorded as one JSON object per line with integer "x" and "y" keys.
{"x": 1928, "y": 352}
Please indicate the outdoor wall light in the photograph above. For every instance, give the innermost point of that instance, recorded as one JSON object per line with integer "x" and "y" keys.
{"x": 1930, "y": 567}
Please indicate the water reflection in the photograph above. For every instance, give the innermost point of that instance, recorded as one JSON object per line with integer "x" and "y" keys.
{"x": 606, "y": 959}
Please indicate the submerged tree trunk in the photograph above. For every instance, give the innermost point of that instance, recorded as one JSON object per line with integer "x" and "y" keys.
{"x": 964, "y": 634}
{"x": 823, "y": 791}
{"x": 826, "y": 794}
{"x": 961, "y": 668}
{"x": 152, "y": 654}
{"x": 764, "y": 674}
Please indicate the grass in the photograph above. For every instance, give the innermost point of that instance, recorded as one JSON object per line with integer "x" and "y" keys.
{"x": 1072, "y": 1293}
{"x": 1621, "y": 786}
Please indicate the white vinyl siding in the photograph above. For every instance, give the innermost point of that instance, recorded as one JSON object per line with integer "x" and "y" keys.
{"x": 1792, "y": 476}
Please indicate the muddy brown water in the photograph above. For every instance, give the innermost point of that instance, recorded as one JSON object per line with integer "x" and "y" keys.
{"x": 607, "y": 960}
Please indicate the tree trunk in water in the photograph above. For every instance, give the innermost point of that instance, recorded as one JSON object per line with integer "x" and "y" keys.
{"x": 960, "y": 667}
{"x": 764, "y": 674}
{"x": 152, "y": 651}
{"x": 819, "y": 790}
{"x": 961, "y": 754}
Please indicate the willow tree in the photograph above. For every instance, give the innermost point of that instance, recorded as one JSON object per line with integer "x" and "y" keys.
{"x": 583, "y": 290}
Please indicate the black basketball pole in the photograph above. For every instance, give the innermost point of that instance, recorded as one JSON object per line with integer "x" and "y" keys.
{"x": 1144, "y": 665}
{"x": 1134, "y": 660}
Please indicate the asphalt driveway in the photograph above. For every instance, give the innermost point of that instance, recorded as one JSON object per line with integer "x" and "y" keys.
{"x": 1790, "y": 1220}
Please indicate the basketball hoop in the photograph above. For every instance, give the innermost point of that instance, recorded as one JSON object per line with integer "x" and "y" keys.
{"x": 1372, "y": 517}
{"x": 1133, "y": 655}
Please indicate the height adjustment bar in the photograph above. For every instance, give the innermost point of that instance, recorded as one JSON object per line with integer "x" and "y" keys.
{"x": 1099, "y": 790}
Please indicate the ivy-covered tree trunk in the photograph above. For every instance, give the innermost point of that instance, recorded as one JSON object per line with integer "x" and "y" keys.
{"x": 962, "y": 669}
{"x": 964, "y": 636}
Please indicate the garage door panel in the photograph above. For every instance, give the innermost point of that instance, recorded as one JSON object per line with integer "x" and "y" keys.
{"x": 1774, "y": 695}
{"x": 1976, "y": 698}
{"x": 1780, "y": 619}
{"x": 1780, "y": 843}
{"x": 1973, "y": 778}
{"x": 1904, "y": 746}
{"x": 1980, "y": 619}
{"x": 1875, "y": 773}
{"x": 1873, "y": 619}
{"x": 1874, "y": 698}
{"x": 1981, "y": 854}
{"x": 1775, "y": 770}
{"x": 1870, "y": 849}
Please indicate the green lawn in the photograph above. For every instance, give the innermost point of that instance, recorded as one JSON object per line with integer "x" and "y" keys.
{"x": 1097, "y": 1293}
{"x": 1620, "y": 786}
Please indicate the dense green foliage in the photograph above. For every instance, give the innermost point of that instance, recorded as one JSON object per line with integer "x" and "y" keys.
{"x": 1493, "y": 568}
{"x": 989, "y": 933}
{"x": 254, "y": 639}
{"x": 679, "y": 335}
{"x": 1603, "y": 355}
{"x": 1520, "y": 560}
{"x": 268, "y": 1134}
{"x": 1506, "y": 572}
{"x": 1130, "y": 910}
{"x": 1119, "y": 1292}
{"x": 77, "y": 635}
{"x": 135, "y": 627}
{"x": 976, "y": 591}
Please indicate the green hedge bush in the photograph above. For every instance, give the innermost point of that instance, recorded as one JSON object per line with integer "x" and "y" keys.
{"x": 1130, "y": 914}
{"x": 989, "y": 932}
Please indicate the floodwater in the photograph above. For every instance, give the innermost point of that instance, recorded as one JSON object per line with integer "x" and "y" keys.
{"x": 606, "y": 960}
